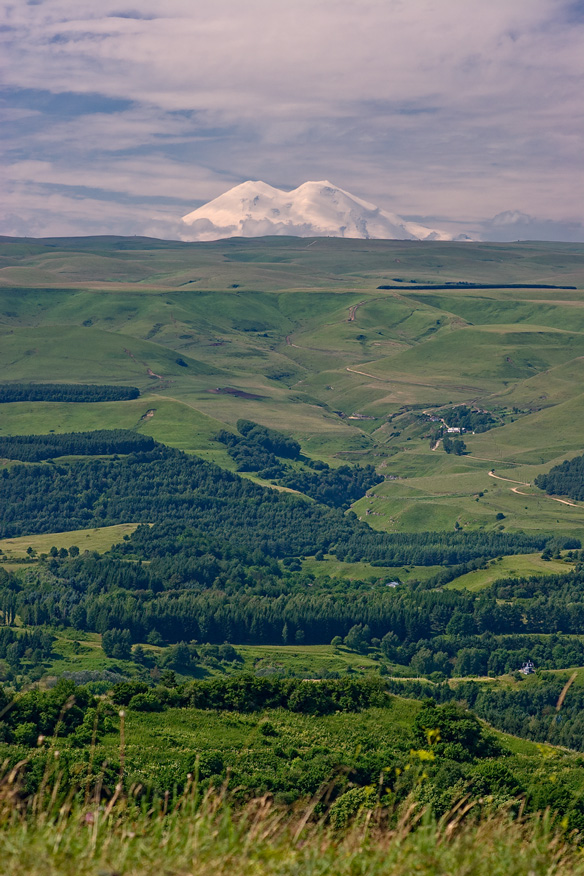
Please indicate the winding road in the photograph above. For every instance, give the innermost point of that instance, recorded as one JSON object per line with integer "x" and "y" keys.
{"x": 531, "y": 495}
{"x": 499, "y": 478}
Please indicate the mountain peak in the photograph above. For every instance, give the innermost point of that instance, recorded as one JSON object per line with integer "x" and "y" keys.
{"x": 314, "y": 209}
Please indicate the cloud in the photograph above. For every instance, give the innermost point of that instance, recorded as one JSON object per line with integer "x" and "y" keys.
{"x": 515, "y": 225}
{"x": 461, "y": 109}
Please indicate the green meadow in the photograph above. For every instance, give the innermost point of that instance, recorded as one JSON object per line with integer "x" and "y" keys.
{"x": 520, "y": 566}
{"x": 297, "y": 335}
{"x": 101, "y": 539}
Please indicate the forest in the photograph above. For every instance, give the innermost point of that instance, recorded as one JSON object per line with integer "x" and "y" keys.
{"x": 566, "y": 479}
{"x": 217, "y": 563}
{"x": 262, "y": 450}
{"x": 36, "y": 448}
{"x": 65, "y": 392}
{"x": 171, "y": 583}
{"x": 161, "y": 484}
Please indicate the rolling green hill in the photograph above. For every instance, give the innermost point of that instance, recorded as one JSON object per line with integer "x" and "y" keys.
{"x": 296, "y": 334}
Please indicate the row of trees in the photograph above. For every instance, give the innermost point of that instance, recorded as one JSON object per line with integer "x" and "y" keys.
{"x": 196, "y": 589}
{"x": 36, "y": 448}
{"x": 65, "y": 392}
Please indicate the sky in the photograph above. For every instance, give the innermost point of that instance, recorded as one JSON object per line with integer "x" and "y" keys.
{"x": 119, "y": 117}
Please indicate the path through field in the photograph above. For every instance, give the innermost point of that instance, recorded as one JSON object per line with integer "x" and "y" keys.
{"x": 563, "y": 501}
{"x": 545, "y": 496}
{"x": 511, "y": 481}
{"x": 353, "y": 310}
{"x": 364, "y": 373}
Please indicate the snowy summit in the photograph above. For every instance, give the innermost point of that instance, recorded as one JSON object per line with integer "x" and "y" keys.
{"x": 314, "y": 209}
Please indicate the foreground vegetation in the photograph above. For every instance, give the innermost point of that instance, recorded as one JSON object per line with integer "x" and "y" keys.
{"x": 236, "y": 562}
{"x": 208, "y": 838}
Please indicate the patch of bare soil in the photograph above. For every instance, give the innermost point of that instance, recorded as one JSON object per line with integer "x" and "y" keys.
{"x": 238, "y": 393}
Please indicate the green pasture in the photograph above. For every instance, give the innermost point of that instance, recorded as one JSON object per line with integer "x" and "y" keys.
{"x": 518, "y": 566}
{"x": 302, "y": 326}
{"x": 537, "y": 439}
{"x": 336, "y": 569}
{"x": 283, "y": 262}
{"x": 101, "y": 539}
{"x": 90, "y": 355}
{"x": 305, "y": 661}
{"x": 170, "y": 421}
{"x": 439, "y": 502}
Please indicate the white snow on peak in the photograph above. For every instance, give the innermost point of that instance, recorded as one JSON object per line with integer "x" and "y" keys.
{"x": 314, "y": 209}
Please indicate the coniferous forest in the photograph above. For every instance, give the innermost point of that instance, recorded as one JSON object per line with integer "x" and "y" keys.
{"x": 65, "y": 392}
{"x": 216, "y": 564}
{"x": 566, "y": 479}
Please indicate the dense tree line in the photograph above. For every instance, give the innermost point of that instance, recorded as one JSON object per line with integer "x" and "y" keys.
{"x": 458, "y": 654}
{"x": 261, "y": 450}
{"x": 337, "y": 487}
{"x": 251, "y": 456}
{"x": 440, "y": 548}
{"x": 166, "y": 485}
{"x": 566, "y": 479}
{"x": 196, "y": 588}
{"x": 65, "y": 392}
{"x": 258, "y": 447}
{"x": 270, "y": 439}
{"x": 248, "y": 693}
{"x": 34, "y": 645}
{"x": 36, "y": 448}
{"x": 531, "y": 710}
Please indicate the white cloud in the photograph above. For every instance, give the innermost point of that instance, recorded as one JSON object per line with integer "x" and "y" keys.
{"x": 460, "y": 108}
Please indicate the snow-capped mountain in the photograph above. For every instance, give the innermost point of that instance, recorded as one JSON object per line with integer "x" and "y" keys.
{"x": 314, "y": 209}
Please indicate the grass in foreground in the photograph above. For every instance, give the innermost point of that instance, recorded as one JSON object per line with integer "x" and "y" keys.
{"x": 208, "y": 838}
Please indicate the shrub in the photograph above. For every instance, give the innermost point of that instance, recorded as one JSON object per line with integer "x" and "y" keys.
{"x": 145, "y": 702}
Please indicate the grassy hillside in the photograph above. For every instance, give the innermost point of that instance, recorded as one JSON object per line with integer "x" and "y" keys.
{"x": 100, "y": 539}
{"x": 373, "y": 828}
{"x": 297, "y": 335}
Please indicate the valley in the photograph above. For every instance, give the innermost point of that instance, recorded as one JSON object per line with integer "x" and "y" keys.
{"x": 253, "y": 488}
{"x": 297, "y": 334}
